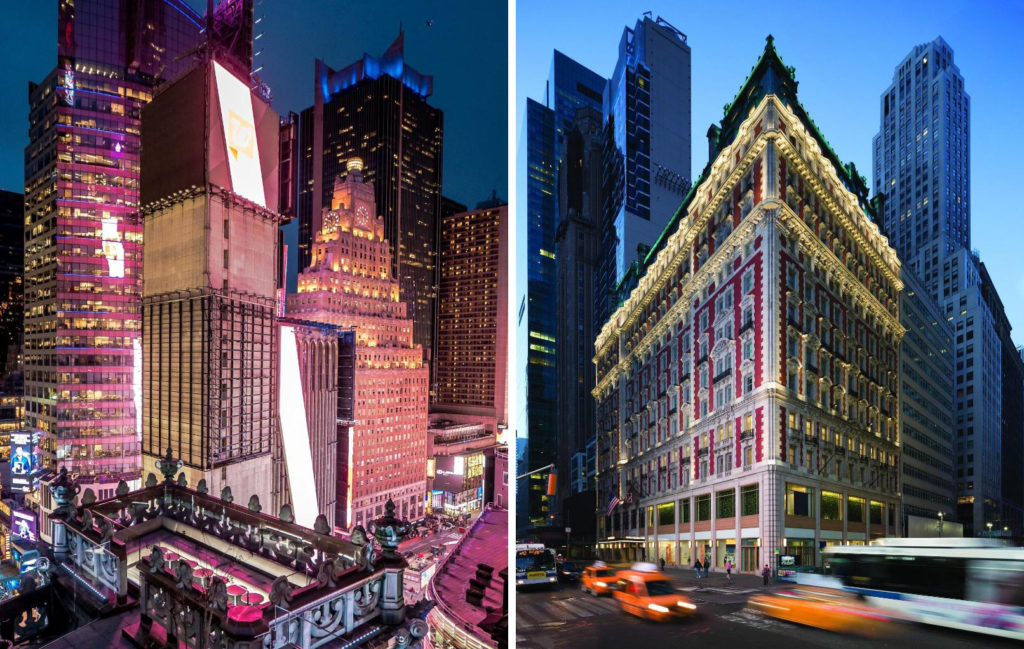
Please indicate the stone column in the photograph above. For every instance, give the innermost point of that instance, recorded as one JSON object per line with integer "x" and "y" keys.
{"x": 392, "y": 600}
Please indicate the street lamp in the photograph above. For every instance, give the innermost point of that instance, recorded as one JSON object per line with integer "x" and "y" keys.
{"x": 989, "y": 528}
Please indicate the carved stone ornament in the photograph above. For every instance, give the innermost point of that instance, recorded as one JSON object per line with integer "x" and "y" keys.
{"x": 183, "y": 575}
{"x": 217, "y": 594}
{"x": 286, "y": 515}
{"x": 281, "y": 592}
{"x": 156, "y": 559}
{"x": 202, "y": 488}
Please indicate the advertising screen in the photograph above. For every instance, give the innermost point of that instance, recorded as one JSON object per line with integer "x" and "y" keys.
{"x": 240, "y": 136}
{"x": 449, "y": 473}
{"x": 23, "y": 461}
{"x": 23, "y": 524}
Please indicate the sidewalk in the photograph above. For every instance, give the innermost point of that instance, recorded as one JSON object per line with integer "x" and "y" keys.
{"x": 687, "y": 577}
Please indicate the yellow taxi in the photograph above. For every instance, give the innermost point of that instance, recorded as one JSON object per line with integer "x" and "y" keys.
{"x": 646, "y": 592}
{"x": 598, "y": 579}
{"x": 824, "y": 608}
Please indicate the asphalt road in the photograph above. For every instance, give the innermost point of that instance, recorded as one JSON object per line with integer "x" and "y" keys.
{"x": 444, "y": 539}
{"x": 567, "y": 618}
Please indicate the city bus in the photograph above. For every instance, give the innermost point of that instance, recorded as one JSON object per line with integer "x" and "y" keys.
{"x": 535, "y": 565}
{"x": 969, "y": 584}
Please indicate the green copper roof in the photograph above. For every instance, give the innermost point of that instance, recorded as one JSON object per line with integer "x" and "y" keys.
{"x": 769, "y": 76}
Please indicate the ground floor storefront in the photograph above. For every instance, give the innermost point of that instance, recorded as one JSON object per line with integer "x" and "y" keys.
{"x": 756, "y": 518}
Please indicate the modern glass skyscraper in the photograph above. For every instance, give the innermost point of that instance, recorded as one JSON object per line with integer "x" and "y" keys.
{"x": 569, "y": 87}
{"x": 647, "y": 102}
{"x": 83, "y": 235}
{"x": 376, "y": 109}
{"x": 922, "y": 161}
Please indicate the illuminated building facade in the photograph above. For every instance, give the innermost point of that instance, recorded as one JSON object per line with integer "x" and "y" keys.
{"x": 747, "y": 388}
{"x": 12, "y": 294}
{"x": 349, "y": 284}
{"x": 83, "y": 235}
{"x": 376, "y": 109}
{"x": 460, "y": 456}
{"x": 472, "y": 337}
{"x": 211, "y": 352}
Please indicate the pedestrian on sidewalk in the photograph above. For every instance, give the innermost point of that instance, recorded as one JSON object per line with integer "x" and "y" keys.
{"x": 663, "y": 564}
{"x": 707, "y": 564}
{"x": 697, "y": 567}
{"x": 728, "y": 570}
{"x": 766, "y": 573}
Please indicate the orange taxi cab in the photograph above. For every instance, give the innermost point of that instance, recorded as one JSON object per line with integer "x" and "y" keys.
{"x": 598, "y": 579}
{"x": 824, "y": 608}
{"x": 646, "y": 592}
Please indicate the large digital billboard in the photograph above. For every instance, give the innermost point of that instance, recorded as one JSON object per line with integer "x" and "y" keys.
{"x": 23, "y": 525}
{"x": 239, "y": 127}
{"x": 449, "y": 473}
{"x": 23, "y": 461}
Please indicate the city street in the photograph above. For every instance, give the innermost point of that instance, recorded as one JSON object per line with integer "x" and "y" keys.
{"x": 567, "y": 618}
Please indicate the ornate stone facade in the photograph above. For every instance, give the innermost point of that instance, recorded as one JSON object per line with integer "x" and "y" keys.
{"x": 746, "y": 388}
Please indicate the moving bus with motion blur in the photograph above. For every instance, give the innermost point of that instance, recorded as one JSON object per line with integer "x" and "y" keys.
{"x": 535, "y": 565}
{"x": 969, "y": 584}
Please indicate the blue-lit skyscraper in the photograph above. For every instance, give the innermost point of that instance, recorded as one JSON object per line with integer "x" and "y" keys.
{"x": 377, "y": 109}
{"x": 569, "y": 87}
{"x": 647, "y": 162}
{"x": 921, "y": 161}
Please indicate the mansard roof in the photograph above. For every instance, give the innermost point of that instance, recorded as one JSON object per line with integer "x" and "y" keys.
{"x": 769, "y": 76}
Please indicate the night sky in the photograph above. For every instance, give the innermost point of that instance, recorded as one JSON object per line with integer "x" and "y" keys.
{"x": 465, "y": 49}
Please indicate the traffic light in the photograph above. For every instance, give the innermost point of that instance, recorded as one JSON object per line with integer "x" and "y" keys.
{"x": 552, "y": 483}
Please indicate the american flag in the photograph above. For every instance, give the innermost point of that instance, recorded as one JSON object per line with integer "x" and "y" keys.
{"x": 613, "y": 502}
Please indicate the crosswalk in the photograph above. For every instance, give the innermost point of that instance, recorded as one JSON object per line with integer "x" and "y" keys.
{"x": 720, "y": 591}
{"x": 555, "y": 612}
{"x": 756, "y": 620}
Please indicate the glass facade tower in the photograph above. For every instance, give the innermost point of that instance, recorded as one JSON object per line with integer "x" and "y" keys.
{"x": 83, "y": 235}
{"x": 647, "y": 103}
{"x": 569, "y": 87}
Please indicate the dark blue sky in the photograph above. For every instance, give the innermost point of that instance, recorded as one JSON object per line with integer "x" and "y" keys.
{"x": 844, "y": 54}
{"x": 465, "y": 49}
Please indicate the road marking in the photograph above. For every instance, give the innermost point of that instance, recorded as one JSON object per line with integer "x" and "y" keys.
{"x": 599, "y": 606}
{"x": 754, "y": 619}
{"x": 533, "y": 614}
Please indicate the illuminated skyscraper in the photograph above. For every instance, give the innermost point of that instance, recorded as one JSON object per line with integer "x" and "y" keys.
{"x": 83, "y": 236}
{"x": 376, "y": 109}
{"x": 472, "y": 340}
{"x": 12, "y": 297}
{"x": 210, "y": 336}
{"x": 349, "y": 284}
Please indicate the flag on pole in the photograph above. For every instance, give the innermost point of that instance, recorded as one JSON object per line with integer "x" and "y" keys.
{"x": 613, "y": 502}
